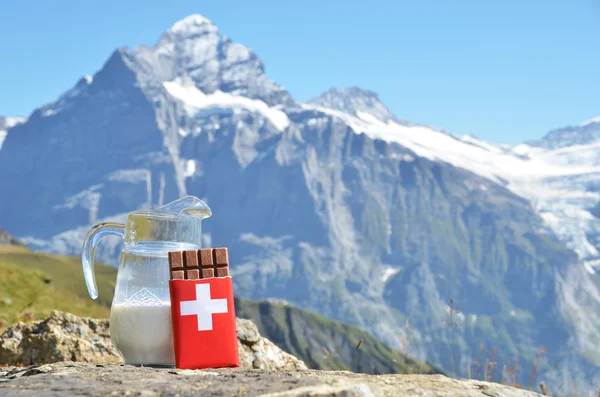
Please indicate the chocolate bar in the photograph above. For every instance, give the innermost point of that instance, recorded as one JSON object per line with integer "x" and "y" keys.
{"x": 199, "y": 264}
{"x": 202, "y": 309}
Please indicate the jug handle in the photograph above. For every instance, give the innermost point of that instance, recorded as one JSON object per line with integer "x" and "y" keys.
{"x": 89, "y": 251}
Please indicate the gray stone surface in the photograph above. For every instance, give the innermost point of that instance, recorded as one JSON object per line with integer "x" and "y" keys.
{"x": 78, "y": 379}
{"x": 64, "y": 336}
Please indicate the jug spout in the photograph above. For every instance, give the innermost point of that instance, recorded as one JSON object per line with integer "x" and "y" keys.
{"x": 188, "y": 205}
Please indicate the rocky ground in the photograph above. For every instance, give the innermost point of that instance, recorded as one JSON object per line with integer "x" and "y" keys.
{"x": 67, "y": 355}
{"x": 85, "y": 379}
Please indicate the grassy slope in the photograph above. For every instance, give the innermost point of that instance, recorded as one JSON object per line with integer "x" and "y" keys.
{"x": 27, "y": 293}
{"x": 36, "y": 283}
{"x": 324, "y": 343}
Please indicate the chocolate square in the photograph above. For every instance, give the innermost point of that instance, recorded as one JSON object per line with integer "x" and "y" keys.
{"x": 208, "y": 273}
{"x": 206, "y": 257}
{"x": 176, "y": 260}
{"x": 177, "y": 275}
{"x": 191, "y": 259}
{"x": 192, "y": 274}
{"x": 223, "y": 271}
{"x": 221, "y": 257}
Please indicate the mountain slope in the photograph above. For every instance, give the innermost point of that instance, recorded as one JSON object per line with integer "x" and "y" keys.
{"x": 6, "y": 123}
{"x": 335, "y": 206}
{"x": 31, "y": 287}
{"x": 33, "y": 284}
{"x": 326, "y": 344}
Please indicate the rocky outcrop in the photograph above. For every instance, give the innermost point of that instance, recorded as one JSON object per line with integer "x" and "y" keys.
{"x": 64, "y": 336}
{"x": 7, "y": 239}
{"x": 68, "y": 378}
{"x": 60, "y": 337}
{"x": 260, "y": 353}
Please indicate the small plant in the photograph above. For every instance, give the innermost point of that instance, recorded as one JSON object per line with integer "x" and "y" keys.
{"x": 451, "y": 324}
{"x": 403, "y": 345}
{"x": 28, "y": 316}
{"x": 536, "y": 364}
{"x": 512, "y": 371}
{"x": 325, "y": 353}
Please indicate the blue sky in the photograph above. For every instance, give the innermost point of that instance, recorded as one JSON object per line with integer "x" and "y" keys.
{"x": 506, "y": 71}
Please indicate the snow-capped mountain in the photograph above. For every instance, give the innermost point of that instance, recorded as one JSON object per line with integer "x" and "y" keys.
{"x": 335, "y": 205}
{"x": 6, "y": 123}
{"x": 559, "y": 175}
{"x": 354, "y": 101}
{"x": 583, "y": 134}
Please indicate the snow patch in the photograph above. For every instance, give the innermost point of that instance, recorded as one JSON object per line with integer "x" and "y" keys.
{"x": 6, "y": 123}
{"x": 10, "y": 122}
{"x": 65, "y": 100}
{"x": 220, "y": 101}
{"x": 88, "y": 199}
{"x": 190, "y": 23}
{"x": 189, "y": 168}
{"x": 388, "y": 273}
{"x": 590, "y": 266}
{"x": 590, "y": 121}
{"x": 483, "y": 159}
{"x": 131, "y": 176}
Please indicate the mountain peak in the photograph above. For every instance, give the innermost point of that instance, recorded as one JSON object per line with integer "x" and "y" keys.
{"x": 193, "y": 48}
{"x": 191, "y": 25}
{"x": 582, "y": 134}
{"x": 354, "y": 101}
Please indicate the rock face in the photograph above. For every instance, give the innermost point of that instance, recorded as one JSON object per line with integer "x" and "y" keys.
{"x": 7, "y": 239}
{"x": 260, "y": 353}
{"x": 68, "y": 378}
{"x": 64, "y": 336}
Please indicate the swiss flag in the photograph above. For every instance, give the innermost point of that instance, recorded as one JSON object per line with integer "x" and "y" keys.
{"x": 204, "y": 330}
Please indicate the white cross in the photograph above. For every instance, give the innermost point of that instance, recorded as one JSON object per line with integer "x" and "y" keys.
{"x": 203, "y": 307}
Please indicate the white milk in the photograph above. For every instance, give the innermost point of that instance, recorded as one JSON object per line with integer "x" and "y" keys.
{"x": 143, "y": 334}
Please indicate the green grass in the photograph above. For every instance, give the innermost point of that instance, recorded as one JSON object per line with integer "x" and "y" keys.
{"x": 65, "y": 272}
{"x": 25, "y": 295}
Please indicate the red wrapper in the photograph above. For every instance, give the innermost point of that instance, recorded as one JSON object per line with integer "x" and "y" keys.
{"x": 204, "y": 332}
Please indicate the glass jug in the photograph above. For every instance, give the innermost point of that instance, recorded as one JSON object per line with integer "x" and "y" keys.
{"x": 140, "y": 316}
